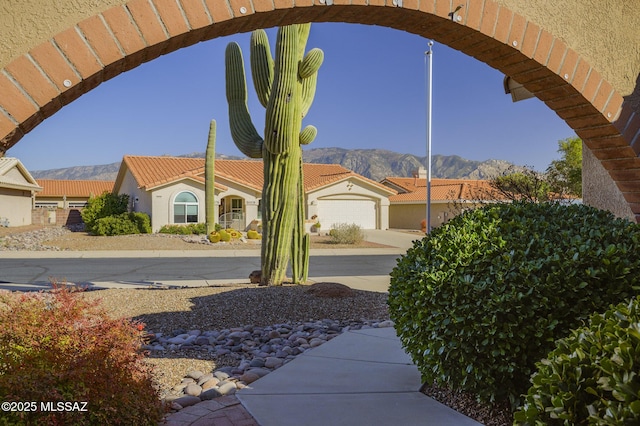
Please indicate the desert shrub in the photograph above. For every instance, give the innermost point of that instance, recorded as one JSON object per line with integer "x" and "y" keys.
{"x": 57, "y": 347}
{"x": 189, "y": 229}
{"x": 591, "y": 377}
{"x": 123, "y": 224}
{"x": 483, "y": 297}
{"x": 253, "y": 235}
{"x": 104, "y": 205}
{"x": 344, "y": 233}
{"x": 142, "y": 221}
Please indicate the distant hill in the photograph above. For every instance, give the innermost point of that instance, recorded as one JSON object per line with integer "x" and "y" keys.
{"x": 375, "y": 164}
{"x": 100, "y": 172}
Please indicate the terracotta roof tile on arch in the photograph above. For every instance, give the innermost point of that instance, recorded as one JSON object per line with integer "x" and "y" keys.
{"x": 151, "y": 172}
{"x": 73, "y": 188}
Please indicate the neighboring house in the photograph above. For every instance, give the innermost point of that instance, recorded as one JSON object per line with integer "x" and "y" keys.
{"x": 449, "y": 197}
{"x": 171, "y": 191}
{"x": 17, "y": 192}
{"x": 69, "y": 194}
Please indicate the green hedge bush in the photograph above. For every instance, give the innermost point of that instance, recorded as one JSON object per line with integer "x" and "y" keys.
{"x": 188, "y": 229}
{"x": 123, "y": 224}
{"x": 483, "y": 297}
{"x": 101, "y": 206}
{"x": 58, "y": 347}
{"x": 592, "y": 377}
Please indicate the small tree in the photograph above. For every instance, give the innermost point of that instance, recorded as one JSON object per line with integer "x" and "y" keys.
{"x": 106, "y": 204}
{"x": 565, "y": 175}
{"x": 522, "y": 185}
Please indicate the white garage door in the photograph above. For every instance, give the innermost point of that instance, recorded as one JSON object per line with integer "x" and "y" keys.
{"x": 360, "y": 212}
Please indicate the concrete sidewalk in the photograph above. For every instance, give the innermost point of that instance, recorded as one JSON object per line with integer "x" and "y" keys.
{"x": 361, "y": 377}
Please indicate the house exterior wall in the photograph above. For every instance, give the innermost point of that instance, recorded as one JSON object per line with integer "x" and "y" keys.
{"x": 15, "y": 206}
{"x": 349, "y": 189}
{"x": 162, "y": 203}
{"x": 129, "y": 186}
{"x": 409, "y": 216}
{"x": 598, "y": 190}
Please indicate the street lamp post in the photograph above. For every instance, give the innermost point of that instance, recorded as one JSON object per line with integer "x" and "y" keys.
{"x": 428, "y": 59}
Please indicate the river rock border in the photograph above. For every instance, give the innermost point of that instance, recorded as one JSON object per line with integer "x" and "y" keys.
{"x": 258, "y": 350}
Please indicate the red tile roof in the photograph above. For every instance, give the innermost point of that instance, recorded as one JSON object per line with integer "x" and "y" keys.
{"x": 73, "y": 188}
{"x": 413, "y": 190}
{"x": 150, "y": 172}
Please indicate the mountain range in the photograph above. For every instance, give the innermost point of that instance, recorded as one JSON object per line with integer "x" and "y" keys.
{"x": 375, "y": 164}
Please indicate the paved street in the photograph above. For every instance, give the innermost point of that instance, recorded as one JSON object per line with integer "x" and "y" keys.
{"x": 158, "y": 269}
{"x": 363, "y": 268}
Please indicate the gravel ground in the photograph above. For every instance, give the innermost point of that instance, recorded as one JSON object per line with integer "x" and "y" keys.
{"x": 220, "y": 307}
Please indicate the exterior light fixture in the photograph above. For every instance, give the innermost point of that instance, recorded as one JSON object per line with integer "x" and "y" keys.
{"x": 516, "y": 90}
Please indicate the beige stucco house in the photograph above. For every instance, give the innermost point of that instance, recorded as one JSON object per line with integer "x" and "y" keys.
{"x": 171, "y": 191}
{"x": 17, "y": 192}
{"x": 449, "y": 197}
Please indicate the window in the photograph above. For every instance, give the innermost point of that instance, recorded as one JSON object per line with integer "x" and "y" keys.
{"x": 185, "y": 208}
{"x": 236, "y": 205}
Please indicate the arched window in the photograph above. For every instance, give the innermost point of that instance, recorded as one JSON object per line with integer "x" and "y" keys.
{"x": 185, "y": 208}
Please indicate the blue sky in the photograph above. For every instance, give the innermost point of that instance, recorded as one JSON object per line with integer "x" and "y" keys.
{"x": 371, "y": 94}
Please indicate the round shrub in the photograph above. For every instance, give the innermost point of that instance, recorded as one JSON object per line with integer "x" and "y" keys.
{"x": 592, "y": 377}
{"x": 57, "y": 347}
{"x": 123, "y": 224}
{"x": 345, "y": 233}
{"x": 483, "y": 297}
{"x": 115, "y": 225}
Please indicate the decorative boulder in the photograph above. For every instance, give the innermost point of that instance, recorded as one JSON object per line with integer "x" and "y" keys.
{"x": 255, "y": 277}
{"x": 327, "y": 289}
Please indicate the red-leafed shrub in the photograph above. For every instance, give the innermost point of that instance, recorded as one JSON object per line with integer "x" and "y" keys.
{"x": 57, "y": 347}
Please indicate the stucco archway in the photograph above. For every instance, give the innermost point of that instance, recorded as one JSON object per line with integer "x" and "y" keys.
{"x": 52, "y": 73}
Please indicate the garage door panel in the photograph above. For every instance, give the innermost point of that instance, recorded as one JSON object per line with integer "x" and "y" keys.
{"x": 360, "y": 212}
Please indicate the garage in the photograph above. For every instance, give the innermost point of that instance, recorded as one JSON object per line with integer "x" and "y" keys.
{"x": 361, "y": 212}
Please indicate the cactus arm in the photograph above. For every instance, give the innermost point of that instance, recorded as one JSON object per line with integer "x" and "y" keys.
{"x": 243, "y": 131}
{"x": 311, "y": 63}
{"x": 308, "y": 93}
{"x": 303, "y": 36}
{"x": 261, "y": 65}
{"x": 280, "y": 129}
{"x": 306, "y": 241}
{"x": 209, "y": 179}
{"x": 308, "y": 134}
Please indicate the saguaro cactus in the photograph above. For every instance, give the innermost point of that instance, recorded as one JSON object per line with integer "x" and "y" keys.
{"x": 285, "y": 87}
{"x": 209, "y": 179}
